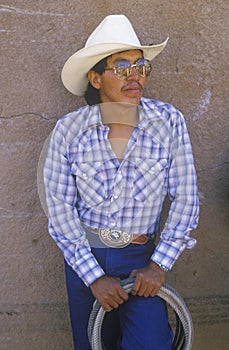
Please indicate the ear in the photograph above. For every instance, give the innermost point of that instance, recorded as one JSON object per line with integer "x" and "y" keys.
{"x": 95, "y": 79}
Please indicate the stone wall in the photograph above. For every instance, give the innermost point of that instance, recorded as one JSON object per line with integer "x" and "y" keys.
{"x": 192, "y": 73}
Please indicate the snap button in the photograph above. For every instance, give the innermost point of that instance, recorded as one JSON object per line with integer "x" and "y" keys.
{"x": 153, "y": 170}
{"x": 113, "y": 223}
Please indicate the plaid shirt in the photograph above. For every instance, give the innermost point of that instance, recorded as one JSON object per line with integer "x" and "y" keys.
{"x": 85, "y": 183}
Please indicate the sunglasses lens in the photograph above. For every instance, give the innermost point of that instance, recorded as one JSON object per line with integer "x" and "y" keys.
{"x": 122, "y": 69}
{"x": 144, "y": 67}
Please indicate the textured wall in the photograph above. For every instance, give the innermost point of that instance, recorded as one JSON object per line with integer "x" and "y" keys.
{"x": 192, "y": 73}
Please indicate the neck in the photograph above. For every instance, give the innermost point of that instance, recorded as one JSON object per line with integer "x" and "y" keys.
{"x": 119, "y": 113}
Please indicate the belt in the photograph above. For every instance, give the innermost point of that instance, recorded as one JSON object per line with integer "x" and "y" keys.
{"x": 115, "y": 238}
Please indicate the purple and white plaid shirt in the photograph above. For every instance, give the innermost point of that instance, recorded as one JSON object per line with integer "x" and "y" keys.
{"x": 85, "y": 183}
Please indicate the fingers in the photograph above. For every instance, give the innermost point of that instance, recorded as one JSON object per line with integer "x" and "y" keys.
{"x": 113, "y": 299}
{"x": 148, "y": 280}
{"x": 123, "y": 295}
{"x": 143, "y": 287}
{"x": 136, "y": 286}
{"x": 109, "y": 304}
{"x": 108, "y": 292}
{"x": 146, "y": 287}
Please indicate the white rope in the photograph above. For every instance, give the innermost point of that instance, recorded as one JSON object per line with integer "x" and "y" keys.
{"x": 184, "y": 332}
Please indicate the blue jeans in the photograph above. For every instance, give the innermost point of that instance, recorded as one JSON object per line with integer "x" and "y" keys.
{"x": 138, "y": 324}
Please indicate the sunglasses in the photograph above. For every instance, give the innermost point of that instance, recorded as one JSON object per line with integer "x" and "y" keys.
{"x": 123, "y": 68}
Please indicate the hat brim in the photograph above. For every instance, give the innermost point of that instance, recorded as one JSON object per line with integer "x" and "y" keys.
{"x": 74, "y": 72}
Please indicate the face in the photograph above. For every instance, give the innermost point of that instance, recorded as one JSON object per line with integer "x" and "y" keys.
{"x": 111, "y": 89}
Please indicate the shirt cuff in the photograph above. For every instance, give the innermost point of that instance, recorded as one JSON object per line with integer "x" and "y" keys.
{"x": 87, "y": 267}
{"x": 166, "y": 253}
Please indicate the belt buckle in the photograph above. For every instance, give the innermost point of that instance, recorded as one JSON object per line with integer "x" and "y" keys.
{"x": 115, "y": 238}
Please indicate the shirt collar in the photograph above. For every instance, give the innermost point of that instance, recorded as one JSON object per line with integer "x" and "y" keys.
{"x": 94, "y": 117}
{"x": 148, "y": 112}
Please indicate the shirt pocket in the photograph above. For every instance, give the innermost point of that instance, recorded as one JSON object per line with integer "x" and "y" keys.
{"x": 89, "y": 182}
{"x": 150, "y": 177}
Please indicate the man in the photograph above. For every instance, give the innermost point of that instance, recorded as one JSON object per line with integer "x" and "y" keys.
{"x": 108, "y": 169}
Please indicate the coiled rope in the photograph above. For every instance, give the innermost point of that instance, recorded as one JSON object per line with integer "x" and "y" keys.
{"x": 183, "y": 337}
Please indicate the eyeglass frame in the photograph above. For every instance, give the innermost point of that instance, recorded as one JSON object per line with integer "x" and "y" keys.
{"x": 130, "y": 67}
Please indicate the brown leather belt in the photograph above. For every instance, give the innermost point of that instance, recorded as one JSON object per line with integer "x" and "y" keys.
{"x": 115, "y": 238}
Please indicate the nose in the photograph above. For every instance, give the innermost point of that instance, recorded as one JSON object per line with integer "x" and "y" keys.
{"x": 134, "y": 75}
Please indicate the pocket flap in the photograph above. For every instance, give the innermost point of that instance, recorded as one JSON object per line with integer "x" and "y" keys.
{"x": 85, "y": 169}
{"x": 150, "y": 164}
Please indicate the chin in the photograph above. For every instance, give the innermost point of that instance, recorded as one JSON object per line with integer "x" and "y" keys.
{"x": 132, "y": 99}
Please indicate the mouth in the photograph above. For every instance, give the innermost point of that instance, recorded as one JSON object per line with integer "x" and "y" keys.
{"x": 132, "y": 88}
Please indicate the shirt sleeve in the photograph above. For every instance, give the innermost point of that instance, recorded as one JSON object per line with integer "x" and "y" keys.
{"x": 183, "y": 194}
{"x": 64, "y": 224}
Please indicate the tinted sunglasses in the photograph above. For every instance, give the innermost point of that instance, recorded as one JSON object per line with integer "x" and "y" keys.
{"x": 123, "y": 68}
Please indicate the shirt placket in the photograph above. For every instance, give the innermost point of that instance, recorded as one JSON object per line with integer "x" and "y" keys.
{"x": 118, "y": 184}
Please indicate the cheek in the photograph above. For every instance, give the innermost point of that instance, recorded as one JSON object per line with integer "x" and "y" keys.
{"x": 142, "y": 81}
{"x": 111, "y": 88}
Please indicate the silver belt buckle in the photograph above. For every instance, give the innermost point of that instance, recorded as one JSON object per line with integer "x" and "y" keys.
{"x": 115, "y": 238}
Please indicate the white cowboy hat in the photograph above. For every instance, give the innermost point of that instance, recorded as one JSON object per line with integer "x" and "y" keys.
{"x": 114, "y": 34}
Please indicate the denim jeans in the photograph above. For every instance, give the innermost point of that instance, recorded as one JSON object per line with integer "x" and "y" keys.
{"x": 138, "y": 324}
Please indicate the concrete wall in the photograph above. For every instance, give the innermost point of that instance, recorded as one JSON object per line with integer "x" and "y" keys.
{"x": 192, "y": 73}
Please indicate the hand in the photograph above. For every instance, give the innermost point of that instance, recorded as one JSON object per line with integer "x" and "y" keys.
{"x": 148, "y": 280}
{"x": 108, "y": 292}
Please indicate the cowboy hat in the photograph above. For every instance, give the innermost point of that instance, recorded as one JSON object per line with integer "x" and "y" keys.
{"x": 114, "y": 34}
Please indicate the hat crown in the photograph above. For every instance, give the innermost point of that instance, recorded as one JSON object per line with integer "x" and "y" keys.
{"x": 114, "y": 29}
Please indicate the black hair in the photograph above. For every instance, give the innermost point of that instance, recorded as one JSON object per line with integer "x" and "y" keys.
{"x": 92, "y": 95}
